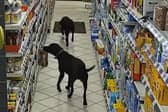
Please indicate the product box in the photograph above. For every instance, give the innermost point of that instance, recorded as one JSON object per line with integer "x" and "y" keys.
{"x": 111, "y": 85}
{"x": 100, "y": 46}
{"x": 94, "y": 34}
{"x": 12, "y": 41}
{"x": 43, "y": 58}
{"x": 15, "y": 16}
{"x": 132, "y": 101}
{"x": 114, "y": 4}
{"x": 119, "y": 106}
{"x": 7, "y": 17}
{"x": 162, "y": 92}
{"x": 148, "y": 7}
{"x": 160, "y": 12}
{"x": 165, "y": 66}
{"x": 136, "y": 69}
{"x": 166, "y": 26}
{"x": 140, "y": 40}
{"x": 148, "y": 106}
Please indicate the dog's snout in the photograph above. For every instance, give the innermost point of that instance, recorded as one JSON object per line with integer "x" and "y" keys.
{"x": 45, "y": 48}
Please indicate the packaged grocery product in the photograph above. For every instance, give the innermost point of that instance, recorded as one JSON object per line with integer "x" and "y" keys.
{"x": 160, "y": 11}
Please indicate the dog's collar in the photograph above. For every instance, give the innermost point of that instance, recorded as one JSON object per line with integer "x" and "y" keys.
{"x": 59, "y": 52}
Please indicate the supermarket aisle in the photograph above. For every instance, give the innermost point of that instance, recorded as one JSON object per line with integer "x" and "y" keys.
{"x": 47, "y": 98}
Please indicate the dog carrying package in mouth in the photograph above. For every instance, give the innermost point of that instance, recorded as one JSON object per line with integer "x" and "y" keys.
{"x": 43, "y": 58}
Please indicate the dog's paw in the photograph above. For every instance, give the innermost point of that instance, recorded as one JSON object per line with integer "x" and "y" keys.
{"x": 69, "y": 95}
{"x": 84, "y": 103}
{"x": 59, "y": 89}
{"x": 67, "y": 87}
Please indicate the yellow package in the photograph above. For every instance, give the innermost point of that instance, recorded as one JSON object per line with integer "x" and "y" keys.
{"x": 165, "y": 66}
{"x": 15, "y": 17}
{"x": 148, "y": 107}
{"x": 162, "y": 93}
{"x": 118, "y": 106}
{"x": 7, "y": 17}
{"x": 140, "y": 40}
{"x": 111, "y": 85}
{"x": 100, "y": 46}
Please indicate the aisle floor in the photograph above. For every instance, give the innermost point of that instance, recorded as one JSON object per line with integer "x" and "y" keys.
{"x": 47, "y": 98}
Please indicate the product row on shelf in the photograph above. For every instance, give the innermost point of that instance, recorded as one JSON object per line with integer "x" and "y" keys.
{"x": 131, "y": 43}
{"x": 26, "y": 25}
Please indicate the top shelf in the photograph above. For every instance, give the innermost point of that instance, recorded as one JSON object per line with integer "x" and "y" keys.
{"x": 149, "y": 25}
{"x": 24, "y": 15}
{"x": 18, "y": 25}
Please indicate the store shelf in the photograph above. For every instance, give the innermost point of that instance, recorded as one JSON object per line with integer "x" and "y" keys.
{"x": 142, "y": 108}
{"x": 120, "y": 12}
{"x": 157, "y": 34}
{"x": 141, "y": 90}
{"x": 107, "y": 100}
{"x": 125, "y": 2}
{"x": 13, "y": 54}
{"x": 149, "y": 25}
{"x": 115, "y": 27}
{"x": 155, "y": 103}
{"x": 131, "y": 42}
{"x": 17, "y": 26}
{"x": 17, "y": 104}
{"x": 15, "y": 76}
{"x": 104, "y": 25}
{"x": 158, "y": 66}
{"x": 24, "y": 15}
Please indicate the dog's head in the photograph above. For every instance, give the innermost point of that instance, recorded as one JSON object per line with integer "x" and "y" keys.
{"x": 53, "y": 49}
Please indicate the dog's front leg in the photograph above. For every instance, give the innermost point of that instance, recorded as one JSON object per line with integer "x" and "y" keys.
{"x": 66, "y": 38}
{"x": 59, "y": 81}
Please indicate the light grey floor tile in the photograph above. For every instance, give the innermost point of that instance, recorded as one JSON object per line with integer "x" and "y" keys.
{"x": 63, "y": 97}
{"x": 50, "y": 91}
{"x": 38, "y": 107}
{"x": 51, "y": 102}
{"x": 95, "y": 98}
{"x": 78, "y": 102}
{"x": 40, "y": 96}
{"x": 41, "y": 86}
{"x": 66, "y": 108}
{"x": 43, "y": 77}
{"x": 94, "y": 108}
{"x": 50, "y": 81}
{"x": 94, "y": 87}
{"x": 49, "y": 110}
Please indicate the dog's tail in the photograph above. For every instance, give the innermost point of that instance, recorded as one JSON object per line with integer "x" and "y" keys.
{"x": 89, "y": 69}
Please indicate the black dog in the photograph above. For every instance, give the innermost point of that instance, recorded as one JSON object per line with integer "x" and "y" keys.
{"x": 74, "y": 67}
{"x": 67, "y": 26}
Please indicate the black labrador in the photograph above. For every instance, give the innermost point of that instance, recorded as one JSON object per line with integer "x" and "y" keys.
{"x": 67, "y": 26}
{"x": 74, "y": 67}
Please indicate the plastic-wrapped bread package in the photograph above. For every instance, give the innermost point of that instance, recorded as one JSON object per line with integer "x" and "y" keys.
{"x": 160, "y": 11}
{"x": 166, "y": 25}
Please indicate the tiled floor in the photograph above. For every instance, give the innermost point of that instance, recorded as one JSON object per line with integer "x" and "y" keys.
{"x": 47, "y": 98}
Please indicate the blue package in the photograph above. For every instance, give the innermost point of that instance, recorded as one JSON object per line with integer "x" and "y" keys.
{"x": 105, "y": 63}
{"x": 110, "y": 25}
{"x": 131, "y": 18}
{"x": 112, "y": 97}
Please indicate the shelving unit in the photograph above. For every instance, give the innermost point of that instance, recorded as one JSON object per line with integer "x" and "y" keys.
{"x": 32, "y": 30}
{"x": 127, "y": 44}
